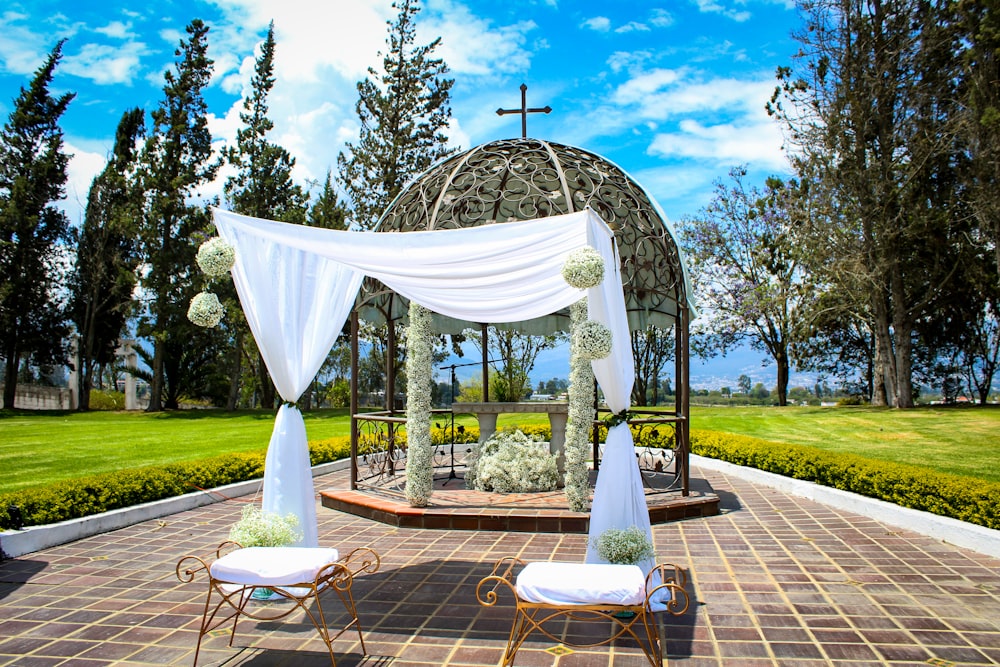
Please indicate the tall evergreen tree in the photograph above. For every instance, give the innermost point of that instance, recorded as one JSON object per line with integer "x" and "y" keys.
{"x": 107, "y": 256}
{"x": 404, "y": 110}
{"x": 176, "y": 160}
{"x": 32, "y": 178}
{"x": 328, "y": 211}
{"x": 263, "y": 188}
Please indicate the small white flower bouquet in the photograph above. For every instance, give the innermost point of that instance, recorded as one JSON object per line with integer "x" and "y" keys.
{"x": 593, "y": 340}
{"x": 257, "y": 528}
{"x": 584, "y": 268}
{"x": 215, "y": 257}
{"x": 205, "y": 310}
{"x": 629, "y": 546}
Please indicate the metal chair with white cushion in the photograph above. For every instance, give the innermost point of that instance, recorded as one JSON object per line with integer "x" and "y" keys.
{"x": 242, "y": 579}
{"x": 548, "y": 592}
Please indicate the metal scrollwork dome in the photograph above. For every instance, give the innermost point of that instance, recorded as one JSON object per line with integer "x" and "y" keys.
{"x": 525, "y": 179}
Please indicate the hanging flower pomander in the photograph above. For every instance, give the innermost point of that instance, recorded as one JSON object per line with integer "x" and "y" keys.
{"x": 215, "y": 257}
{"x": 584, "y": 268}
{"x": 593, "y": 340}
{"x": 205, "y": 309}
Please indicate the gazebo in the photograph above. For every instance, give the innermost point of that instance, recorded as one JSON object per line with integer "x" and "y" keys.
{"x": 524, "y": 179}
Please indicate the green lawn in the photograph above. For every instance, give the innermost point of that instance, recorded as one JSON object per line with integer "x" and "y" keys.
{"x": 42, "y": 447}
{"x": 37, "y": 448}
{"x": 958, "y": 440}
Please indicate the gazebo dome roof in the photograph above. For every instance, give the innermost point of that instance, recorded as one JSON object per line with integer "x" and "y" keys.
{"x": 525, "y": 179}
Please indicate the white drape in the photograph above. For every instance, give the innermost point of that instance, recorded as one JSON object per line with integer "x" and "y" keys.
{"x": 297, "y": 285}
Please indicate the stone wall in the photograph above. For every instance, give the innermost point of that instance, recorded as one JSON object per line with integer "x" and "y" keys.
{"x": 33, "y": 397}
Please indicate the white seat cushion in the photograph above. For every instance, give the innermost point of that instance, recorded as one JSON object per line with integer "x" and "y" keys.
{"x": 581, "y": 583}
{"x": 272, "y": 566}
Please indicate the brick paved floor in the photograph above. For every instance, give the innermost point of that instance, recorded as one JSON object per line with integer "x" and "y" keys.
{"x": 776, "y": 580}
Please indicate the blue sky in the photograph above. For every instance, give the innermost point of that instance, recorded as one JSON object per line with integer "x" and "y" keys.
{"x": 673, "y": 92}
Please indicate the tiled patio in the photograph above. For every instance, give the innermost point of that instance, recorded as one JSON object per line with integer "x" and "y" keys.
{"x": 777, "y": 580}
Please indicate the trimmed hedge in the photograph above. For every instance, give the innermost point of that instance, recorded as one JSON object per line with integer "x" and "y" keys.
{"x": 76, "y": 498}
{"x": 964, "y": 498}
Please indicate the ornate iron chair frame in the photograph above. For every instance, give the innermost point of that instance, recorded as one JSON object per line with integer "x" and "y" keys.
{"x": 337, "y": 576}
{"x": 531, "y": 616}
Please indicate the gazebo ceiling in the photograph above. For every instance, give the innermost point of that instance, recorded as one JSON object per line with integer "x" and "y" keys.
{"x": 524, "y": 179}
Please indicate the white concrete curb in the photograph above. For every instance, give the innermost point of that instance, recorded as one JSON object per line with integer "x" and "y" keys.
{"x": 15, "y": 543}
{"x": 959, "y": 533}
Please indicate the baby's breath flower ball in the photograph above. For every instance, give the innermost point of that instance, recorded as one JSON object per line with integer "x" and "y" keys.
{"x": 593, "y": 340}
{"x": 584, "y": 268}
{"x": 215, "y": 257}
{"x": 205, "y": 310}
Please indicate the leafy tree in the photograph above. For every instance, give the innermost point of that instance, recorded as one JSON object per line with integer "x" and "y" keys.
{"x": 32, "y": 177}
{"x": 744, "y": 383}
{"x": 262, "y": 187}
{"x": 651, "y": 349}
{"x": 404, "y": 110}
{"x": 742, "y": 258}
{"x": 516, "y": 354}
{"x": 871, "y": 116}
{"x": 176, "y": 160}
{"x": 107, "y": 256}
{"x": 978, "y": 23}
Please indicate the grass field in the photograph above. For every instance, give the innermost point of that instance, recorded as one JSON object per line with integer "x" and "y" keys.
{"x": 37, "y": 448}
{"x": 958, "y": 440}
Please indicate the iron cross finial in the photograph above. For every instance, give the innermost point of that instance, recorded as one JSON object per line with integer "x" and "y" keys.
{"x": 524, "y": 111}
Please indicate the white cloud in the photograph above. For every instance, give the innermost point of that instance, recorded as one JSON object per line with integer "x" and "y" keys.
{"x": 628, "y": 60}
{"x": 22, "y": 51}
{"x": 714, "y": 7}
{"x": 661, "y": 18}
{"x": 597, "y": 23}
{"x": 83, "y": 167}
{"x": 104, "y": 64}
{"x": 117, "y": 29}
{"x": 640, "y": 87}
{"x": 748, "y": 140}
{"x": 632, "y": 26}
{"x": 473, "y": 45}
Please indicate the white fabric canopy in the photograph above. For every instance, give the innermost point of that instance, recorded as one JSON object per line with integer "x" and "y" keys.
{"x": 297, "y": 285}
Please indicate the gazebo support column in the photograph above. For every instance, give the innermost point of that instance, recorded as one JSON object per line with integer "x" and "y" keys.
{"x": 683, "y": 399}
{"x": 484, "y": 329}
{"x": 354, "y": 399}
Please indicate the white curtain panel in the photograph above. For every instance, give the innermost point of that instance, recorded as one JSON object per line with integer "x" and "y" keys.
{"x": 297, "y": 285}
{"x": 295, "y": 303}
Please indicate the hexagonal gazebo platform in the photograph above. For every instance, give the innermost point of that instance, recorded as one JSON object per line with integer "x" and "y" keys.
{"x": 525, "y": 179}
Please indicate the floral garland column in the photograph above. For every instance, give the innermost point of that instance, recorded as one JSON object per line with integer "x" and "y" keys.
{"x": 581, "y": 415}
{"x": 419, "y": 368}
{"x": 584, "y": 268}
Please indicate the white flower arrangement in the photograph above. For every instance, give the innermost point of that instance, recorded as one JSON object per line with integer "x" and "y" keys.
{"x": 215, "y": 257}
{"x": 512, "y": 462}
{"x": 584, "y": 268}
{"x": 581, "y": 415}
{"x": 419, "y": 370}
{"x": 205, "y": 310}
{"x": 257, "y": 528}
{"x": 593, "y": 340}
{"x": 629, "y": 546}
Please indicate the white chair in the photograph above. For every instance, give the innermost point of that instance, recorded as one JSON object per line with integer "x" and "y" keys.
{"x": 547, "y": 592}
{"x": 237, "y": 579}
